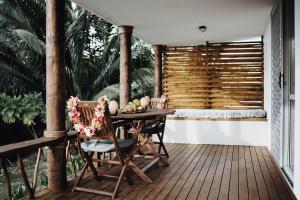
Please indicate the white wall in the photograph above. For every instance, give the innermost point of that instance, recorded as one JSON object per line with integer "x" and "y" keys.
{"x": 297, "y": 101}
{"x": 267, "y": 80}
{"x": 216, "y": 132}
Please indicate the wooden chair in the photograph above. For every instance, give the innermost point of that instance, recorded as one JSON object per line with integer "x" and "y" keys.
{"x": 105, "y": 142}
{"x": 157, "y": 127}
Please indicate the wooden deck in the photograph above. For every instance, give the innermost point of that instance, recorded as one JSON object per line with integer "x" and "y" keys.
{"x": 200, "y": 172}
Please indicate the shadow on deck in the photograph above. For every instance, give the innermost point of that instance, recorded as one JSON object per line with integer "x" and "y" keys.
{"x": 199, "y": 172}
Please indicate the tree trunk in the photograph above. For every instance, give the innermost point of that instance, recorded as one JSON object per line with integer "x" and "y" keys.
{"x": 157, "y": 70}
{"x": 55, "y": 101}
{"x": 125, "y": 64}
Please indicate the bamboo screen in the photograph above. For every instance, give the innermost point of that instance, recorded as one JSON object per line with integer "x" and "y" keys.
{"x": 214, "y": 76}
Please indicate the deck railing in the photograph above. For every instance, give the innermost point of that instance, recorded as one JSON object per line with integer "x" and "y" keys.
{"x": 17, "y": 149}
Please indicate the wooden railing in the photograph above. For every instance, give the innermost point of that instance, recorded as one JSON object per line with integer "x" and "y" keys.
{"x": 71, "y": 141}
{"x": 30, "y": 145}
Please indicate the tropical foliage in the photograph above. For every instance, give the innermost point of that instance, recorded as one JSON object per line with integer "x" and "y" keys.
{"x": 26, "y": 110}
{"x": 92, "y": 52}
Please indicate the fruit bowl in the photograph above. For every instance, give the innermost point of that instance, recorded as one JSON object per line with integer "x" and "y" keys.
{"x": 131, "y": 112}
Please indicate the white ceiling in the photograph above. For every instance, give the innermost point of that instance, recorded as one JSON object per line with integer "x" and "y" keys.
{"x": 176, "y": 22}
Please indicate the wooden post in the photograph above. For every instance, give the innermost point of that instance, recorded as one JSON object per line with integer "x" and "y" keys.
{"x": 55, "y": 101}
{"x": 157, "y": 70}
{"x": 125, "y": 64}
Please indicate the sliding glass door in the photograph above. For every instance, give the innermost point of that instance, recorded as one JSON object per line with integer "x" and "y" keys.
{"x": 288, "y": 85}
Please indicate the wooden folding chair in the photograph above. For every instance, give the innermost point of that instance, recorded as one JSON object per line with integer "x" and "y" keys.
{"x": 104, "y": 142}
{"x": 157, "y": 127}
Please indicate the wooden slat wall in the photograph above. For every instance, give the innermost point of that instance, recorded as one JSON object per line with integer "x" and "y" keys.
{"x": 214, "y": 76}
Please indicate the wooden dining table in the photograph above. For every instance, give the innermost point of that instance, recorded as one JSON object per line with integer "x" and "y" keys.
{"x": 137, "y": 122}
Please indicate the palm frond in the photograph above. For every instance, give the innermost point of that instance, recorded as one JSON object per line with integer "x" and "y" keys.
{"x": 12, "y": 13}
{"x": 111, "y": 91}
{"x": 31, "y": 40}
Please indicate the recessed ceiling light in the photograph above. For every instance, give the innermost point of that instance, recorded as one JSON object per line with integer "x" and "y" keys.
{"x": 202, "y": 29}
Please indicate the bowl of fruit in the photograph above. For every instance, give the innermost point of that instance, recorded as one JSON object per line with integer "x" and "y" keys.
{"x": 137, "y": 105}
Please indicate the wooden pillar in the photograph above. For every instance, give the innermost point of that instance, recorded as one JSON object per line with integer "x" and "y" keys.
{"x": 55, "y": 101}
{"x": 125, "y": 64}
{"x": 157, "y": 70}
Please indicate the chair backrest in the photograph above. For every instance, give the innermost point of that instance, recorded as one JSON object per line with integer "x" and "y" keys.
{"x": 155, "y": 104}
{"x": 107, "y": 132}
{"x": 86, "y": 109}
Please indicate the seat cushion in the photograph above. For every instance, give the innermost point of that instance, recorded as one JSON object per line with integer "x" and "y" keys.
{"x": 105, "y": 146}
{"x": 153, "y": 129}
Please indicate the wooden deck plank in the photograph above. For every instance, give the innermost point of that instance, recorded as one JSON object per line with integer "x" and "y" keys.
{"x": 260, "y": 182}
{"x": 178, "y": 177}
{"x": 283, "y": 179}
{"x": 184, "y": 178}
{"x": 215, "y": 187}
{"x": 197, "y": 172}
{"x": 201, "y": 177}
{"x": 172, "y": 194}
{"x": 172, "y": 177}
{"x": 234, "y": 177}
{"x": 185, "y": 153}
{"x": 252, "y": 186}
{"x": 191, "y": 180}
{"x": 281, "y": 185}
{"x": 225, "y": 184}
{"x": 156, "y": 175}
{"x": 153, "y": 173}
{"x": 283, "y": 193}
{"x": 205, "y": 189}
{"x": 268, "y": 179}
{"x": 243, "y": 183}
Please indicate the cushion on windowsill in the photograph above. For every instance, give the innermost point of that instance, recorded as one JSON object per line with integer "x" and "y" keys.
{"x": 218, "y": 114}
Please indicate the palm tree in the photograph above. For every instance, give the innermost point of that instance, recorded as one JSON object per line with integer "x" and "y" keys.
{"x": 92, "y": 52}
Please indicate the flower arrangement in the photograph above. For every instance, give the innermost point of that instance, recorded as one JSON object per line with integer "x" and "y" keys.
{"x": 97, "y": 121}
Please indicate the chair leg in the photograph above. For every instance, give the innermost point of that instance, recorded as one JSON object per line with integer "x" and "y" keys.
{"x": 159, "y": 145}
{"x": 80, "y": 176}
{"x": 90, "y": 164}
{"x": 123, "y": 171}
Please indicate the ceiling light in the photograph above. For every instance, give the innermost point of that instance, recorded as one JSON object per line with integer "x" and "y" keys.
{"x": 202, "y": 29}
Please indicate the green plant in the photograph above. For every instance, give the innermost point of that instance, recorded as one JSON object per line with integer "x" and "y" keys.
{"x": 12, "y": 108}
{"x": 91, "y": 54}
{"x": 44, "y": 178}
{"x": 25, "y": 109}
{"x": 19, "y": 192}
{"x": 78, "y": 164}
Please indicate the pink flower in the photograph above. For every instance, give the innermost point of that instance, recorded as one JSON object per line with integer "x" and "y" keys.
{"x": 89, "y": 132}
{"x": 97, "y": 121}
{"x": 79, "y": 128}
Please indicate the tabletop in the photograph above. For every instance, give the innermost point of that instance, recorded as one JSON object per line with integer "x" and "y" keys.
{"x": 149, "y": 114}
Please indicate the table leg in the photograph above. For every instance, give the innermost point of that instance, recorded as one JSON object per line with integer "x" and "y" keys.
{"x": 153, "y": 150}
{"x": 140, "y": 173}
{"x": 144, "y": 142}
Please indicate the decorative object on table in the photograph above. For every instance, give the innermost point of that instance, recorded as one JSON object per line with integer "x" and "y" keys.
{"x": 162, "y": 102}
{"x": 96, "y": 117}
{"x": 145, "y": 102}
{"x": 113, "y": 107}
{"x": 136, "y": 105}
{"x": 137, "y": 102}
